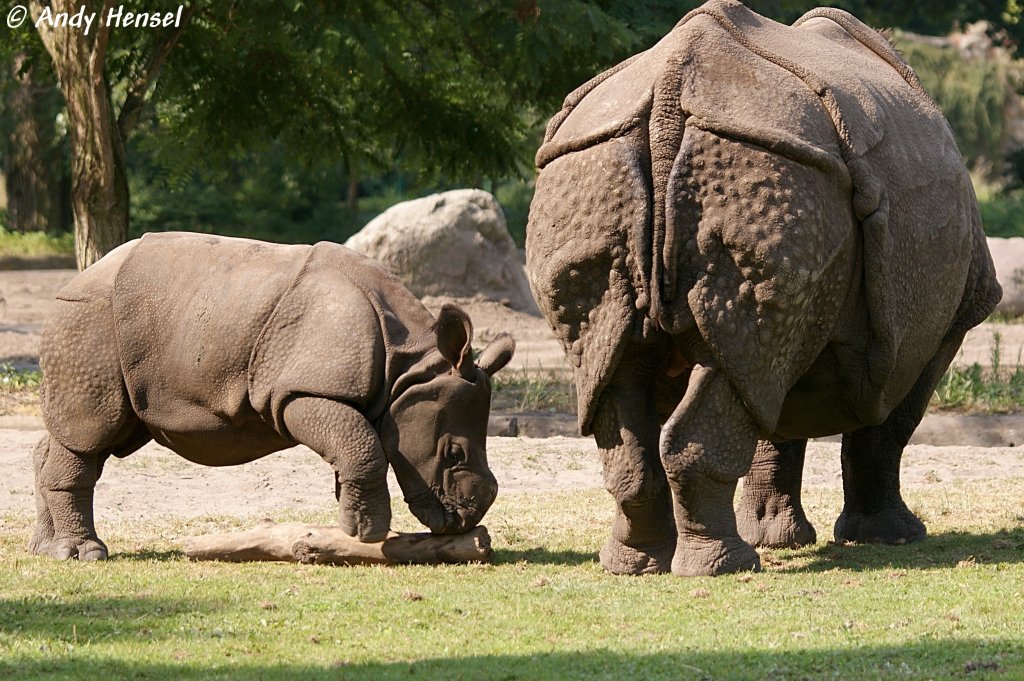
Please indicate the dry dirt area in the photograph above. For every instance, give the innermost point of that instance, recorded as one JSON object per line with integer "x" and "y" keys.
{"x": 155, "y": 482}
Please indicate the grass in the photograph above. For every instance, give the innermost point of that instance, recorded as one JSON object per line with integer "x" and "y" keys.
{"x": 948, "y": 608}
{"x": 533, "y": 390}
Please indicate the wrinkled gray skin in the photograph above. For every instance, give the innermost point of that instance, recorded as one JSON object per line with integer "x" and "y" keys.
{"x": 749, "y": 235}
{"x": 225, "y": 350}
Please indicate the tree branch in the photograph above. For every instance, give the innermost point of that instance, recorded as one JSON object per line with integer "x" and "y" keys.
{"x": 44, "y": 29}
{"x": 102, "y": 40}
{"x": 302, "y": 543}
{"x": 139, "y": 89}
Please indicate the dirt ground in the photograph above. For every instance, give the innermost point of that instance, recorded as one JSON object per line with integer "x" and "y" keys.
{"x": 155, "y": 482}
{"x": 297, "y": 480}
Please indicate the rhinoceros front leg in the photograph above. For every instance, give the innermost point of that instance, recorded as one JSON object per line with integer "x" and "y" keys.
{"x": 643, "y": 537}
{"x": 706, "y": 445}
{"x": 873, "y": 509}
{"x": 770, "y": 513}
{"x": 65, "y": 482}
{"x": 347, "y": 441}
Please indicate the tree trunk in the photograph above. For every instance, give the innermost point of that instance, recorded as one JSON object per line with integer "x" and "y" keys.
{"x": 99, "y": 184}
{"x": 33, "y": 179}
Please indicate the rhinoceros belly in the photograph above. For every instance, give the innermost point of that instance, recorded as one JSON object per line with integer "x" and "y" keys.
{"x": 219, "y": 442}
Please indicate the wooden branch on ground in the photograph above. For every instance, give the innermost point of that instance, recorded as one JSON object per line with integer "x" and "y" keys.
{"x": 319, "y": 544}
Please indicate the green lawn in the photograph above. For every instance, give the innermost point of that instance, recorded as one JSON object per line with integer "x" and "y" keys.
{"x": 949, "y": 608}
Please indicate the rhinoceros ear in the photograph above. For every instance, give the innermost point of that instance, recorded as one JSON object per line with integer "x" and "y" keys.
{"x": 497, "y": 353}
{"x": 454, "y": 331}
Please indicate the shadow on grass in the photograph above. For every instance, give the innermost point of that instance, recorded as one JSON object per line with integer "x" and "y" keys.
{"x": 147, "y": 555}
{"x": 941, "y": 550}
{"x": 1002, "y": 659}
{"x": 538, "y": 555}
{"x": 70, "y": 619}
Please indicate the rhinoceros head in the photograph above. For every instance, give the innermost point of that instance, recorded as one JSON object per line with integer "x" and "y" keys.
{"x": 435, "y": 433}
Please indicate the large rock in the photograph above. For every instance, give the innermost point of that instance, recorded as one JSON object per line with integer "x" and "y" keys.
{"x": 1008, "y": 257}
{"x": 451, "y": 244}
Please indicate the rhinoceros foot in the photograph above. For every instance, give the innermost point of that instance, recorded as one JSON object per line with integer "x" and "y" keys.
{"x": 68, "y": 548}
{"x": 707, "y": 557}
{"x": 620, "y": 559}
{"x": 894, "y": 525}
{"x": 787, "y": 528}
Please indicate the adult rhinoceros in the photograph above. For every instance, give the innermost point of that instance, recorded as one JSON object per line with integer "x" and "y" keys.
{"x": 225, "y": 350}
{"x": 753, "y": 231}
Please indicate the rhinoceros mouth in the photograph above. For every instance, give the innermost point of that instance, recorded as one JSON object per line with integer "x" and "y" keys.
{"x": 442, "y": 514}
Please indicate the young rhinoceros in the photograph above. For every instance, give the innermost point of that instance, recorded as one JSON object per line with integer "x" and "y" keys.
{"x": 753, "y": 231}
{"x": 225, "y": 350}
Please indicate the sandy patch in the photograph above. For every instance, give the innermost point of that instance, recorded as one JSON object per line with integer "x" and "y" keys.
{"x": 155, "y": 482}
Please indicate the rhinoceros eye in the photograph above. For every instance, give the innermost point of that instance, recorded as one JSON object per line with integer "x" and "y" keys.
{"x": 454, "y": 454}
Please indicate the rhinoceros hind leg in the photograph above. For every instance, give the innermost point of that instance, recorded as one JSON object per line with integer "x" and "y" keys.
{"x": 770, "y": 513}
{"x": 643, "y": 537}
{"x": 64, "y": 493}
{"x": 706, "y": 445}
{"x": 621, "y": 559}
{"x": 873, "y": 509}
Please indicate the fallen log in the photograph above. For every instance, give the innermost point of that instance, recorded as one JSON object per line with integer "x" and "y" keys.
{"x": 320, "y": 544}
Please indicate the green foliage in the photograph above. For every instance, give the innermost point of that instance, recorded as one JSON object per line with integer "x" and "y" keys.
{"x": 972, "y": 95}
{"x": 19, "y": 379}
{"x": 265, "y": 109}
{"x": 514, "y": 197}
{"x": 923, "y": 16}
{"x": 1002, "y": 213}
{"x": 261, "y": 195}
{"x": 260, "y": 137}
{"x": 439, "y": 87}
{"x": 996, "y": 389}
{"x": 34, "y": 243}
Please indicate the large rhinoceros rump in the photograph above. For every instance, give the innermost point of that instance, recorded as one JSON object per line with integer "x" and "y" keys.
{"x": 753, "y": 231}
{"x": 225, "y": 350}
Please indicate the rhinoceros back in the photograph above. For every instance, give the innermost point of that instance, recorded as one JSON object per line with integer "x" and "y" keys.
{"x": 891, "y": 157}
{"x": 799, "y": 191}
{"x": 345, "y": 330}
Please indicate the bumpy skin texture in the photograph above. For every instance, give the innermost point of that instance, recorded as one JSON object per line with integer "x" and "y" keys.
{"x": 753, "y": 232}
{"x": 225, "y": 350}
